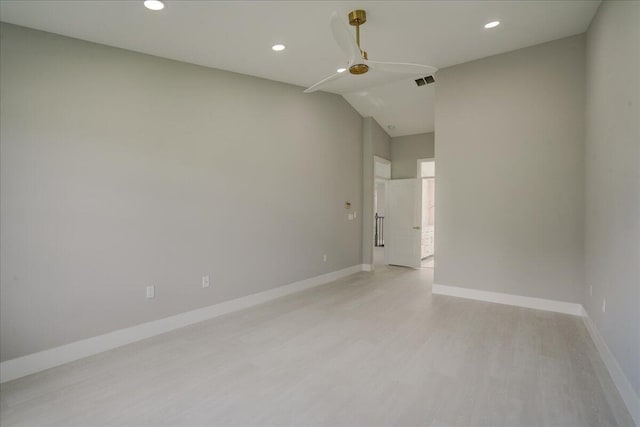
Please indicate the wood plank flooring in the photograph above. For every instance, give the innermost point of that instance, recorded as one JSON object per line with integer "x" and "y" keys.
{"x": 373, "y": 349}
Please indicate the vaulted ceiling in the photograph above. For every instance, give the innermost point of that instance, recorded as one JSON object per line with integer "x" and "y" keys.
{"x": 238, "y": 35}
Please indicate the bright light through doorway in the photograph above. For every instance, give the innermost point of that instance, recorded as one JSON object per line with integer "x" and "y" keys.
{"x": 427, "y": 172}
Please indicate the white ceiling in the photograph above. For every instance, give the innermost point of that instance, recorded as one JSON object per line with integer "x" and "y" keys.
{"x": 237, "y": 36}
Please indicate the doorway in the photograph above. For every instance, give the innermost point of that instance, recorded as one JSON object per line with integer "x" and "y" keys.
{"x": 382, "y": 172}
{"x": 427, "y": 174}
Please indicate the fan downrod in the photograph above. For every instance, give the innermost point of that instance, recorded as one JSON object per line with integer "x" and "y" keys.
{"x": 357, "y": 18}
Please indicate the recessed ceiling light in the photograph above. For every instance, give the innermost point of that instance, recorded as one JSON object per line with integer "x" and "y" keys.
{"x": 341, "y": 70}
{"x": 153, "y": 4}
{"x": 492, "y": 24}
{"x": 278, "y": 47}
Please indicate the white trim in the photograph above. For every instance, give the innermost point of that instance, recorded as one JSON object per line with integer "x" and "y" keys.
{"x": 623, "y": 385}
{"x": 419, "y": 167}
{"x": 381, "y": 160}
{"x": 378, "y": 159}
{"x": 509, "y": 299}
{"x": 36, "y": 362}
{"x": 367, "y": 267}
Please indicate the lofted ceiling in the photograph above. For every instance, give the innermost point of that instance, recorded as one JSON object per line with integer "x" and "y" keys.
{"x": 238, "y": 35}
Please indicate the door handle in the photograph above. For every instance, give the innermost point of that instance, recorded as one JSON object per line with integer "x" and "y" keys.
{"x": 417, "y": 227}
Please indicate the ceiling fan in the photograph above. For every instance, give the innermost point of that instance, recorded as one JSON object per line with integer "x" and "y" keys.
{"x": 362, "y": 72}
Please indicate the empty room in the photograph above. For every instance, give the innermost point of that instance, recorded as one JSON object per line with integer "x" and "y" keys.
{"x": 319, "y": 213}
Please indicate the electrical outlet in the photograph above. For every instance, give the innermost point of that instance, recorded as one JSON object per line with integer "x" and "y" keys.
{"x": 324, "y": 258}
{"x": 205, "y": 281}
{"x": 350, "y": 217}
{"x": 151, "y": 291}
{"x": 604, "y": 305}
{"x": 591, "y": 290}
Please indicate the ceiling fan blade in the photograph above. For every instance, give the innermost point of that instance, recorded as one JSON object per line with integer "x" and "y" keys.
{"x": 402, "y": 68}
{"x": 345, "y": 39}
{"x": 322, "y": 82}
{"x": 355, "y": 83}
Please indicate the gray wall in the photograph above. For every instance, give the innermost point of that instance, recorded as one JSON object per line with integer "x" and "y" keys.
{"x": 121, "y": 170}
{"x": 380, "y": 139}
{"x": 375, "y": 143}
{"x": 510, "y": 150}
{"x": 405, "y": 152}
{"x": 612, "y": 222}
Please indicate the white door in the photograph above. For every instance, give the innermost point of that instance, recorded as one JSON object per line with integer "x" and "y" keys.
{"x": 403, "y": 218}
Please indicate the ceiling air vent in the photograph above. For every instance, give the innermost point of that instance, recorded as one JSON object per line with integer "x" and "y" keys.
{"x": 425, "y": 80}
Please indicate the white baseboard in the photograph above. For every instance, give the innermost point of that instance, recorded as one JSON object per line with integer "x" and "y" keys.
{"x": 367, "y": 267}
{"x": 36, "y": 362}
{"x": 508, "y": 299}
{"x": 628, "y": 394}
{"x": 623, "y": 385}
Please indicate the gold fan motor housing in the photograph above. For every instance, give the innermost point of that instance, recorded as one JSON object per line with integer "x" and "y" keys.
{"x": 358, "y": 68}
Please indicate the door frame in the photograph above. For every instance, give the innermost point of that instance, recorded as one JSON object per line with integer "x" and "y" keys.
{"x": 419, "y": 176}
{"x": 377, "y": 159}
{"x": 419, "y": 163}
{"x": 376, "y": 179}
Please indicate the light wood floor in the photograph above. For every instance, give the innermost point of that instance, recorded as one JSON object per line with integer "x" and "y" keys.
{"x": 374, "y": 349}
